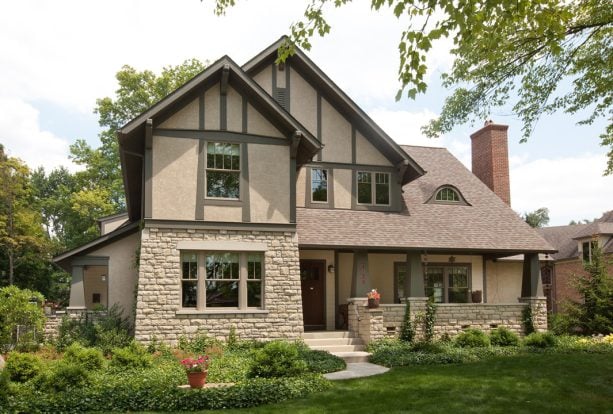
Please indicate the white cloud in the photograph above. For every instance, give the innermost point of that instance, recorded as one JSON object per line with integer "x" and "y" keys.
{"x": 22, "y": 137}
{"x": 405, "y": 126}
{"x": 571, "y": 188}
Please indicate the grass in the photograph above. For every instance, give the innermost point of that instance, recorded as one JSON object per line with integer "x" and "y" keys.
{"x": 537, "y": 383}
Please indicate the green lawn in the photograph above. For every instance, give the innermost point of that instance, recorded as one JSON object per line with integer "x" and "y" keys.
{"x": 549, "y": 383}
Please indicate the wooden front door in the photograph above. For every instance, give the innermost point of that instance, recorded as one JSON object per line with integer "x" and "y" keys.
{"x": 312, "y": 276}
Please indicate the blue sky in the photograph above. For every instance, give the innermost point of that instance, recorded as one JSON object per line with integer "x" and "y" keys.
{"x": 57, "y": 57}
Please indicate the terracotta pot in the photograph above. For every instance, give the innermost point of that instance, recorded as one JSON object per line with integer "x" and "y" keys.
{"x": 476, "y": 296}
{"x": 373, "y": 303}
{"x": 196, "y": 379}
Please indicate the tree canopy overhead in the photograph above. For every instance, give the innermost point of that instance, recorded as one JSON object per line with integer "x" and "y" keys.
{"x": 507, "y": 52}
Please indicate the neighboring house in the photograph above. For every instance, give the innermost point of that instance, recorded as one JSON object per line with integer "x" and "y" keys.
{"x": 574, "y": 243}
{"x": 262, "y": 198}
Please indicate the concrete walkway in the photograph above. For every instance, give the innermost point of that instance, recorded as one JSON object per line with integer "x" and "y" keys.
{"x": 357, "y": 370}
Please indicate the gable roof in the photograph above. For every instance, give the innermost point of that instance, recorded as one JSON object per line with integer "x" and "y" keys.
{"x": 564, "y": 238}
{"x": 341, "y": 101}
{"x": 487, "y": 225}
{"x": 132, "y": 135}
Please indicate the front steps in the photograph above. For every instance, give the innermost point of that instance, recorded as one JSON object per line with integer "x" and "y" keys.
{"x": 340, "y": 343}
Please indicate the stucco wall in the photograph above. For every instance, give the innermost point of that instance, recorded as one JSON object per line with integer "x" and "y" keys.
{"x": 111, "y": 224}
{"x": 366, "y": 153}
{"x": 122, "y": 273}
{"x": 269, "y": 183}
{"x": 235, "y": 110}
{"x": 329, "y": 285}
{"x": 335, "y": 135}
{"x": 303, "y": 101}
{"x": 185, "y": 118}
{"x": 342, "y": 188}
{"x": 300, "y": 187}
{"x": 175, "y": 168}
{"x": 264, "y": 79}
{"x": 211, "y": 107}
{"x": 503, "y": 281}
{"x": 158, "y": 312}
{"x": 93, "y": 283}
{"x": 257, "y": 124}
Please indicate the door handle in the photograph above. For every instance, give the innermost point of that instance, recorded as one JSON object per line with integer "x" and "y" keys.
{"x": 311, "y": 288}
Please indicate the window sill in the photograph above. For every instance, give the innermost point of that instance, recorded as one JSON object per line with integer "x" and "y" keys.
{"x": 230, "y": 312}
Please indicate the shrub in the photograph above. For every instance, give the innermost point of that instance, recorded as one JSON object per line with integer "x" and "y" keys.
{"x": 472, "y": 338}
{"x": 278, "y": 359}
{"x": 64, "y": 375}
{"x": 198, "y": 344}
{"x": 132, "y": 356}
{"x": 527, "y": 320}
{"x": 321, "y": 362}
{"x": 23, "y": 367}
{"x": 427, "y": 347}
{"x": 540, "y": 340}
{"x": 89, "y": 358}
{"x": 503, "y": 337}
{"x": 407, "y": 333}
{"x": 18, "y": 308}
{"x": 429, "y": 319}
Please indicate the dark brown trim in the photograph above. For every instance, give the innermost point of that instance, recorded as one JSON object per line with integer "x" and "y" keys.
{"x": 404, "y": 249}
{"x": 219, "y": 225}
{"x": 462, "y": 202}
{"x": 347, "y": 166}
{"x": 225, "y": 136}
{"x": 319, "y": 129}
{"x": 292, "y": 190}
{"x": 245, "y": 118}
{"x": 222, "y": 202}
{"x": 354, "y": 154}
{"x": 288, "y": 89}
{"x": 244, "y": 183}
{"x": 336, "y": 293}
{"x": 330, "y": 189}
{"x": 201, "y": 110}
{"x": 148, "y": 168}
{"x": 484, "y": 261}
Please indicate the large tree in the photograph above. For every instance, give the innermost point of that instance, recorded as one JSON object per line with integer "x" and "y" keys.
{"x": 507, "y": 52}
{"x": 537, "y": 218}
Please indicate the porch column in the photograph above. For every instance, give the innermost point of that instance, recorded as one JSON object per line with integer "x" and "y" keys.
{"x": 77, "y": 289}
{"x": 531, "y": 285}
{"x": 416, "y": 275}
{"x": 360, "y": 281}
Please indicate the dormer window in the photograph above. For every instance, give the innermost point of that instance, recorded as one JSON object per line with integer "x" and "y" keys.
{"x": 447, "y": 194}
{"x": 588, "y": 248}
{"x": 223, "y": 170}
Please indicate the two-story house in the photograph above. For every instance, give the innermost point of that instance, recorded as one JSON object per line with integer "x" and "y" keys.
{"x": 261, "y": 198}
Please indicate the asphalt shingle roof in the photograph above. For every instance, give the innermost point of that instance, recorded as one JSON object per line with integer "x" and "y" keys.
{"x": 487, "y": 224}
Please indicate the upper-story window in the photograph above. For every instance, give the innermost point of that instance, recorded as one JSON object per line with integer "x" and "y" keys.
{"x": 319, "y": 185}
{"x": 223, "y": 170}
{"x": 588, "y": 248}
{"x": 373, "y": 188}
{"x": 447, "y": 194}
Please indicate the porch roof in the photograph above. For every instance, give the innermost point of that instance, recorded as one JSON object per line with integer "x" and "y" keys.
{"x": 486, "y": 224}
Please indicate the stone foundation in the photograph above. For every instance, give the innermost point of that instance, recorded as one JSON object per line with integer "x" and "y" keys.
{"x": 158, "y": 309}
{"x": 365, "y": 323}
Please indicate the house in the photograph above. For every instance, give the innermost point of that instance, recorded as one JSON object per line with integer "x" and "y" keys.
{"x": 261, "y": 198}
{"x": 574, "y": 244}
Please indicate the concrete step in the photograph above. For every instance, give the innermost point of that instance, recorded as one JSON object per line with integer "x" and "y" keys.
{"x": 327, "y": 334}
{"x": 339, "y": 348}
{"x": 353, "y": 356}
{"x": 333, "y": 341}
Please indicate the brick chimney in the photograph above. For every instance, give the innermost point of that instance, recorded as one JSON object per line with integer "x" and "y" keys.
{"x": 490, "y": 158}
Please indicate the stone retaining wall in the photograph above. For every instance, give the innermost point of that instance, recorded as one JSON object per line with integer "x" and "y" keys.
{"x": 158, "y": 308}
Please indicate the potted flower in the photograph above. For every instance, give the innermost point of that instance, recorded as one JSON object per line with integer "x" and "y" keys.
{"x": 373, "y": 298}
{"x": 197, "y": 370}
{"x": 476, "y": 296}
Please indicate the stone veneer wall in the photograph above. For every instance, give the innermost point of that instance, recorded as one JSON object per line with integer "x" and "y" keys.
{"x": 158, "y": 307}
{"x": 453, "y": 318}
{"x": 364, "y": 322}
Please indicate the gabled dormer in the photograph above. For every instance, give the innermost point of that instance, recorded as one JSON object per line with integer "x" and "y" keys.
{"x": 360, "y": 167}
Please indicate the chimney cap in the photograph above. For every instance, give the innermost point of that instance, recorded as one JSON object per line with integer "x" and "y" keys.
{"x": 489, "y": 124}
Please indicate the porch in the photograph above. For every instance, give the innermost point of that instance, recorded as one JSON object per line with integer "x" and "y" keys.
{"x": 471, "y": 290}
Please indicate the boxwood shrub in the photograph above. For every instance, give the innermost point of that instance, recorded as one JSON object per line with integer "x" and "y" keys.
{"x": 471, "y": 338}
{"x": 278, "y": 359}
{"x": 22, "y": 367}
{"x": 502, "y": 336}
{"x": 89, "y": 358}
{"x": 540, "y": 340}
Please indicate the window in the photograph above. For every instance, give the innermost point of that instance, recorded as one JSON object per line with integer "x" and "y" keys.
{"x": 587, "y": 248}
{"x": 227, "y": 280}
{"x": 223, "y": 170}
{"x": 444, "y": 283}
{"x": 379, "y": 192}
{"x": 447, "y": 194}
{"x": 319, "y": 185}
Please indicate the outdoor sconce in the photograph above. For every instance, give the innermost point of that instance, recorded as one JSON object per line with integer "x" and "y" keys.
{"x": 331, "y": 268}
{"x": 104, "y": 278}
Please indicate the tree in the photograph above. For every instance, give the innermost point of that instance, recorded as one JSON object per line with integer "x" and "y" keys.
{"x": 505, "y": 51}
{"x": 137, "y": 92}
{"x": 20, "y": 223}
{"x": 594, "y": 314}
{"x": 537, "y": 218}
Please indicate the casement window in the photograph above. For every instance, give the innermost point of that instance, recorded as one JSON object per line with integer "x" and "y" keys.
{"x": 444, "y": 283}
{"x": 221, "y": 280}
{"x": 587, "y": 248}
{"x": 447, "y": 194}
{"x": 319, "y": 185}
{"x": 373, "y": 188}
{"x": 223, "y": 170}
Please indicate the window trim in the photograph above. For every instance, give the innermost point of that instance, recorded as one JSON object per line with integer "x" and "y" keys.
{"x": 327, "y": 170}
{"x": 461, "y": 202}
{"x": 397, "y": 266}
{"x": 592, "y": 244}
{"x": 207, "y": 169}
{"x": 373, "y": 188}
{"x": 243, "y": 279}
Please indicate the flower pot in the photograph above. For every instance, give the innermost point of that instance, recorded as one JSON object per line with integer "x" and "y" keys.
{"x": 476, "y": 296}
{"x": 373, "y": 303}
{"x": 196, "y": 379}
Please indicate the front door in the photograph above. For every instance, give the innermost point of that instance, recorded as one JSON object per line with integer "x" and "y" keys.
{"x": 312, "y": 275}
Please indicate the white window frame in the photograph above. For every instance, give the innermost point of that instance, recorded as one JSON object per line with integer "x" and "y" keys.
{"x": 243, "y": 280}
{"x": 591, "y": 245}
{"x": 207, "y": 169}
{"x": 327, "y": 185}
{"x": 373, "y": 188}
